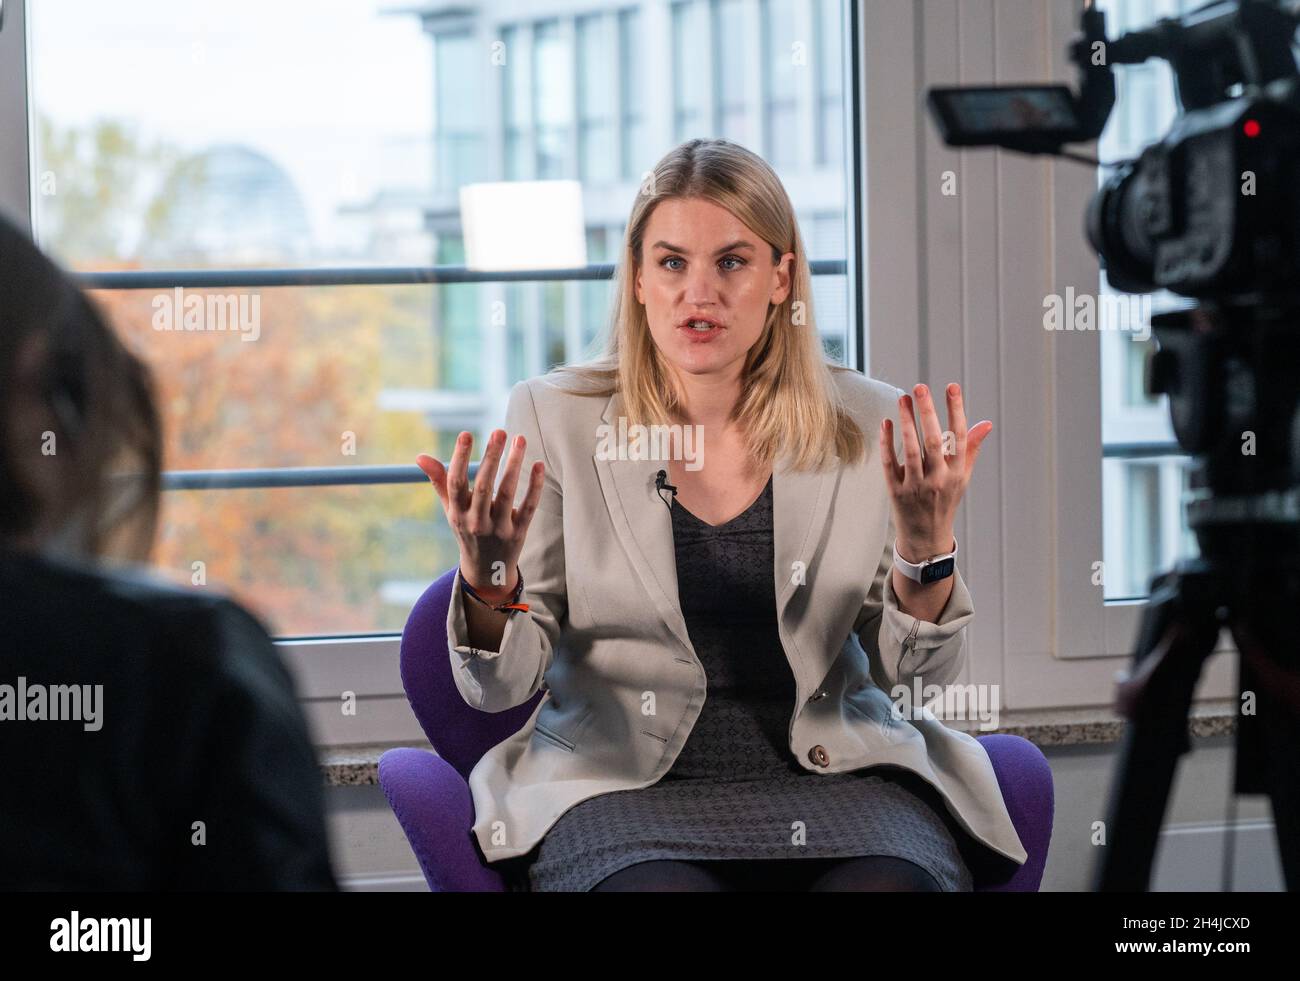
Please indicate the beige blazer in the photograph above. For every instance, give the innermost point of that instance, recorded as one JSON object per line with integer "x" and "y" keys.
{"x": 604, "y": 632}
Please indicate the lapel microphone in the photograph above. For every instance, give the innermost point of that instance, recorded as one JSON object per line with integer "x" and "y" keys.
{"x": 661, "y": 484}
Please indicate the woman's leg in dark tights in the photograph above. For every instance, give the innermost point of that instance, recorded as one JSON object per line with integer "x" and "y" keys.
{"x": 868, "y": 873}
{"x": 662, "y": 875}
{"x": 875, "y": 873}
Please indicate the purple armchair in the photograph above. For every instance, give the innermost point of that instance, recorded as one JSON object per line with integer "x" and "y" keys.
{"x": 430, "y": 794}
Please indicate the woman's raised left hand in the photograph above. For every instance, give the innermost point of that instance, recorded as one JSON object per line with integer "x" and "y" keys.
{"x": 926, "y": 488}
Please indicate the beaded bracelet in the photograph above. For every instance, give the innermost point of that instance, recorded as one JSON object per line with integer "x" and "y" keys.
{"x": 509, "y": 606}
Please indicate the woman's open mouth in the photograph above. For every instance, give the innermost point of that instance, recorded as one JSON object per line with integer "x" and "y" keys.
{"x": 701, "y": 330}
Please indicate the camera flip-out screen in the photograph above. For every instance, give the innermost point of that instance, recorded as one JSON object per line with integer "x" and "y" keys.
{"x": 982, "y": 116}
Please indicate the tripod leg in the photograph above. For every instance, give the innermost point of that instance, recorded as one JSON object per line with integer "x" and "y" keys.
{"x": 1266, "y": 741}
{"x": 1156, "y": 699}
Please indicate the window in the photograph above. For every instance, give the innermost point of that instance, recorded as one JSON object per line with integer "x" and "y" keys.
{"x": 633, "y": 145}
{"x": 596, "y": 89}
{"x": 830, "y": 85}
{"x": 783, "y": 51}
{"x": 731, "y": 64}
{"x": 248, "y": 158}
{"x": 320, "y": 187}
{"x": 456, "y": 135}
{"x": 596, "y": 296}
{"x": 689, "y": 57}
{"x": 552, "y": 100}
{"x": 1144, "y": 474}
{"x": 516, "y": 105}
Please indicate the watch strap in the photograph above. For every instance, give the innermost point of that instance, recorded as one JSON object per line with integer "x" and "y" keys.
{"x": 927, "y": 570}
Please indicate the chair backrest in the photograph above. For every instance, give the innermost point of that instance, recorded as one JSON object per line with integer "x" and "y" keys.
{"x": 458, "y": 733}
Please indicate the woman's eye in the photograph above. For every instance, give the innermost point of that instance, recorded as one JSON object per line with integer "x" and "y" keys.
{"x": 731, "y": 258}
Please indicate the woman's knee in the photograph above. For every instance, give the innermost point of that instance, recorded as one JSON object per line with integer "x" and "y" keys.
{"x": 661, "y": 875}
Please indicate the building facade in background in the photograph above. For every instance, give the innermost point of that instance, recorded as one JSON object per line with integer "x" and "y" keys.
{"x": 598, "y": 92}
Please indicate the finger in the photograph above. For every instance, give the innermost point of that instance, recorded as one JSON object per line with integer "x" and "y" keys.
{"x": 487, "y": 474}
{"x": 893, "y": 472}
{"x": 930, "y": 428}
{"x": 523, "y": 515}
{"x": 912, "y": 467}
{"x": 957, "y": 423}
{"x": 505, "y": 499}
{"x": 437, "y": 474}
{"x": 458, "y": 475}
{"x": 978, "y": 433}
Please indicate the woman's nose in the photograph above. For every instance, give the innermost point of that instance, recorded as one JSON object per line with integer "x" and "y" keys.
{"x": 701, "y": 288}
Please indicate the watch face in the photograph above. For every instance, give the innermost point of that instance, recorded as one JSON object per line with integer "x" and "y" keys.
{"x": 938, "y": 570}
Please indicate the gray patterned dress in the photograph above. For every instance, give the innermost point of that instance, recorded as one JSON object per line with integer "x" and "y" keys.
{"x": 735, "y": 790}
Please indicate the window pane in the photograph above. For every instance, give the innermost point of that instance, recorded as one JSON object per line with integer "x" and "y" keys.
{"x": 1145, "y": 529}
{"x": 830, "y": 81}
{"x": 552, "y": 101}
{"x": 515, "y": 109}
{"x": 636, "y": 155}
{"x": 824, "y": 239}
{"x": 690, "y": 56}
{"x": 191, "y": 135}
{"x": 311, "y": 561}
{"x": 596, "y": 78}
{"x": 457, "y": 139}
{"x": 731, "y": 66}
{"x": 597, "y": 295}
{"x": 780, "y": 44}
{"x": 333, "y": 376}
{"x": 459, "y": 354}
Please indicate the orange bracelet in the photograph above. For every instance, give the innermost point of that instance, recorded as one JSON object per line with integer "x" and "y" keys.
{"x": 509, "y": 606}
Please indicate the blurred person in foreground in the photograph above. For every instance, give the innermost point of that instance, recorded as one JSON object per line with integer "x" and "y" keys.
{"x": 151, "y": 736}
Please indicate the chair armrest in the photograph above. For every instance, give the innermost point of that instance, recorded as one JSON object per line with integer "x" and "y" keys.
{"x": 1025, "y": 778}
{"x": 435, "y": 809}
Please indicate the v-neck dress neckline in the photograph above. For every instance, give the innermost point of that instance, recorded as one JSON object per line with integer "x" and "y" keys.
{"x": 730, "y": 521}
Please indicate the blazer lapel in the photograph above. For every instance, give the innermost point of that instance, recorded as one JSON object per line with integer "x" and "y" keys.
{"x": 801, "y": 503}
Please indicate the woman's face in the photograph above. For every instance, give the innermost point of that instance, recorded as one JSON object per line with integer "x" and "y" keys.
{"x": 700, "y": 263}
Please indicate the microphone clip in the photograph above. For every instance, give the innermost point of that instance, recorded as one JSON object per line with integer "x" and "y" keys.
{"x": 661, "y": 484}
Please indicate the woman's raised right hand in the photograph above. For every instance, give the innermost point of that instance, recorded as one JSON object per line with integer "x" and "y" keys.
{"x": 490, "y": 529}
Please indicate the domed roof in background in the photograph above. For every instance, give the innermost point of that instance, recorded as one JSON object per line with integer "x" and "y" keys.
{"x": 228, "y": 204}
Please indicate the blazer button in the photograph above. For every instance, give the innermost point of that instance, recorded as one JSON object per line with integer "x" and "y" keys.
{"x": 819, "y": 756}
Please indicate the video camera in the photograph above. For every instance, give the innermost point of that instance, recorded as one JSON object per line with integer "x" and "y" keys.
{"x": 1210, "y": 211}
{"x": 1213, "y": 208}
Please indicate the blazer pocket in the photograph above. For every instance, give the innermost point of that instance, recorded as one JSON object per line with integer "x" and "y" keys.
{"x": 553, "y": 737}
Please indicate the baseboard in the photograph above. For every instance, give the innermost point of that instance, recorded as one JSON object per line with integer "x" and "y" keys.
{"x": 1189, "y": 858}
{"x": 389, "y": 882}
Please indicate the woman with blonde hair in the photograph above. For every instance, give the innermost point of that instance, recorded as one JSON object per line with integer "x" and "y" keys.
{"x": 718, "y": 589}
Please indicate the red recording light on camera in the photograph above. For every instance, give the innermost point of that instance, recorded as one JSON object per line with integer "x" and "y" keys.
{"x": 1251, "y": 128}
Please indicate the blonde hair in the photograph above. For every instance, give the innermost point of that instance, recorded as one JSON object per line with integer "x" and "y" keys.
{"x": 789, "y": 402}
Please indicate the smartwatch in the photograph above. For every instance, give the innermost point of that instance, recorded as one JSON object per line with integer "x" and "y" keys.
{"x": 930, "y": 570}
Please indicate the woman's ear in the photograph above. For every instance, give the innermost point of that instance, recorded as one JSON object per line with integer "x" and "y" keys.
{"x": 783, "y": 279}
{"x": 636, "y": 285}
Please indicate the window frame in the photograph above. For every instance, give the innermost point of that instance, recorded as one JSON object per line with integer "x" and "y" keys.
{"x": 15, "y": 154}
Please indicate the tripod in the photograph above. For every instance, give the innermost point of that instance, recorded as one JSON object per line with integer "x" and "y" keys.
{"x": 1223, "y": 369}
